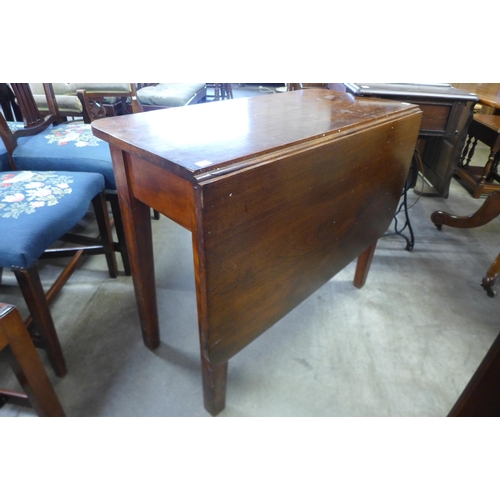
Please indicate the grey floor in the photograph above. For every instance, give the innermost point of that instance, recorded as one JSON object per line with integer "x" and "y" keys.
{"x": 404, "y": 345}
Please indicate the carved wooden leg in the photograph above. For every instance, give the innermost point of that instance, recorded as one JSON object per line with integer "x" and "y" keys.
{"x": 491, "y": 277}
{"x": 488, "y": 211}
{"x": 34, "y": 295}
{"x": 136, "y": 218}
{"x": 363, "y": 266}
{"x": 26, "y": 364}
{"x": 214, "y": 386}
{"x": 485, "y": 177}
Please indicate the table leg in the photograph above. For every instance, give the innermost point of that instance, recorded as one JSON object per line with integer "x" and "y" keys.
{"x": 363, "y": 266}
{"x": 138, "y": 234}
{"x": 214, "y": 385}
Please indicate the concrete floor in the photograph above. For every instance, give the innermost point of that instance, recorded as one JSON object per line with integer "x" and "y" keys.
{"x": 404, "y": 345}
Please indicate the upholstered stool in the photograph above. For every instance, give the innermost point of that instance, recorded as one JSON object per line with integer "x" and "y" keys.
{"x": 485, "y": 179}
{"x": 36, "y": 210}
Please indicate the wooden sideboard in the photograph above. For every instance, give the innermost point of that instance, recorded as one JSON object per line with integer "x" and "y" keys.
{"x": 280, "y": 192}
{"x": 447, "y": 112}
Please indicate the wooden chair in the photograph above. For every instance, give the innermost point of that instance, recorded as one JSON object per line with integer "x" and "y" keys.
{"x": 37, "y": 209}
{"x": 44, "y": 143}
{"x": 95, "y": 106}
{"x": 18, "y": 350}
{"x": 481, "y": 180}
{"x": 113, "y": 97}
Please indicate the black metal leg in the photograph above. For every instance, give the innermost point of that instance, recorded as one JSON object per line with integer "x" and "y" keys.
{"x": 403, "y": 207}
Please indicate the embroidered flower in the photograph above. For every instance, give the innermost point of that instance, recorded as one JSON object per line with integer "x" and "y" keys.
{"x": 11, "y": 178}
{"x": 13, "y": 198}
{"x": 33, "y": 185}
{"x": 25, "y": 192}
{"x": 40, "y": 193}
{"x": 80, "y": 135}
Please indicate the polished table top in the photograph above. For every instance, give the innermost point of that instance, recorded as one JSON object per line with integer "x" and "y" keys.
{"x": 201, "y": 140}
{"x": 488, "y": 93}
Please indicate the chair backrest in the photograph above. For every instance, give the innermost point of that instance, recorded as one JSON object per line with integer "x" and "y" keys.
{"x": 31, "y": 115}
{"x": 34, "y": 122}
{"x": 10, "y": 109}
{"x": 93, "y": 100}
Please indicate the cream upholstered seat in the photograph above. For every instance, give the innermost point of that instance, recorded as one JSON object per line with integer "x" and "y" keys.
{"x": 169, "y": 95}
{"x": 70, "y": 104}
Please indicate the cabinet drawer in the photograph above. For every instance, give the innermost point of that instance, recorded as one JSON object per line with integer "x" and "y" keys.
{"x": 434, "y": 117}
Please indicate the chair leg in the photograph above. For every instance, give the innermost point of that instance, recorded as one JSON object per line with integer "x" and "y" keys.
{"x": 117, "y": 216}
{"x": 34, "y": 295}
{"x": 26, "y": 364}
{"x": 101, "y": 212}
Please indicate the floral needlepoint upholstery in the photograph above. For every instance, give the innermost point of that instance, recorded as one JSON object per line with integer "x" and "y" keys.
{"x": 70, "y": 146}
{"x": 37, "y": 208}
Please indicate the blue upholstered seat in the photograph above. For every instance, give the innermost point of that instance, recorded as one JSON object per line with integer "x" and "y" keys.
{"x": 70, "y": 147}
{"x": 37, "y": 208}
{"x": 4, "y": 158}
{"x": 67, "y": 147}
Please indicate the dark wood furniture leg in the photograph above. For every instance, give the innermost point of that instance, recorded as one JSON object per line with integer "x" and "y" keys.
{"x": 34, "y": 295}
{"x": 491, "y": 277}
{"x": 488, "y": 211}
{"x": 24, "y": 360}
{"x": 100, "y": 209}
{"x": 122, "y": 247}
{"x": 214, "y": 385}
{"x": 136, "y": 217}
{"x": 481, "y": 396}
{"x": 363, "y": 266}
